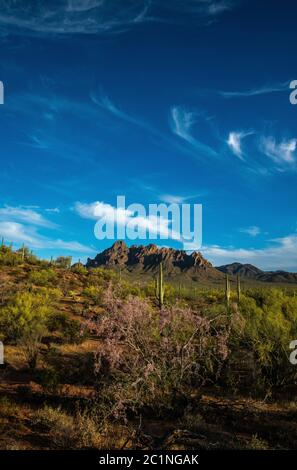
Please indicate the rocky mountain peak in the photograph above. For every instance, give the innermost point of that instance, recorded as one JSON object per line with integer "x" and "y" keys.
{"x": 149, "y": 257}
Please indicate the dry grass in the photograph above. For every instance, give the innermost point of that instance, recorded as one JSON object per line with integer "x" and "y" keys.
{"x": 66, "y": 431}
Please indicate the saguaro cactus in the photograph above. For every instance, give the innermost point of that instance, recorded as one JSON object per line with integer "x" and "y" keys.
{"x": 160, "y": 289}
{"x": 227, "y": 290}
{"x": 238, "y": 288}
{"x": 23, "y": 253}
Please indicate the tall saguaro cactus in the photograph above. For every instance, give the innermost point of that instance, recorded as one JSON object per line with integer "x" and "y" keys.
{"x": 227, "y": 290}
{"x": 238, "y": 288}
{"x": 160, "y": 289}
{"x": 23, "y": 253}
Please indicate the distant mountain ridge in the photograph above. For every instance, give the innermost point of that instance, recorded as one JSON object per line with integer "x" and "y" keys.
{"x": 251, "y": 272}
{"x": 179, "y": 265}
{"x": 245, "y": 270}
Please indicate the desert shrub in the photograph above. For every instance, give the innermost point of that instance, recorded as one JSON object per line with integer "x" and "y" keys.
{"x": 8, "y": 257}
{"x": 53, "y": 293}
{"x": 94, "y": 293}
{"x": 126, "y": 289}
{"x": 8, "y": 407}
{"x": 257, "y": 444}
{"x": 63, "y": 262}
{"x": 24, "y": 321}
{"x": 270, "y": 325}
{"x": 98, "y": 275}
{"x": 30, "y": 343}
{"x": 79, "y": 268}
{"x": 72, "y": 294}
{"x": 24, "y": 314}
{"x": 69, "y": 328}
{"x": 76, "y": 368}
{"x": 68, "y": 432}
{"x": 191, "y": 420}
{"x": 171, "y": 294}
{"x": 43, "y": 277}
{"x": 149, "y": 359}
{"x": 49, "y": 379}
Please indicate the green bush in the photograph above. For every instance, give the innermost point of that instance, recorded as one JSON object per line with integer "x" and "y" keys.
{"x": 24, "y": 321}
{"x": 270, "y": 325}
{"x": 43, "y": 277}
{"x": 70, "y": 329}
{"x": 49, "y": 379}
{"x": 25, "y": 313}
{"x": 79, "y": 268}
{"x": 94, "y": 293}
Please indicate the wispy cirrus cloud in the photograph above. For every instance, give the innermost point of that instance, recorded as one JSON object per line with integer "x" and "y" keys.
{"x": 54, "y": 210}
{"x": 235, "y": 142}
{"x": 105, "y": 103}
{"x": 21, "y": 225}
{"x": 60, "y": 17}
{"x": 20, "y": 233}
{"x": 282, "y": 153}
{"x": 71, "y": 17}
{"x": 253, "y": 230}
{"x": 25, "y": 214}
{"x": 196, "y": 9}
{"x": 43, "y": 114}
{"x": 261, "y": 90}
{"x": 182, "y": 122}
{"x": 176, "y": 199}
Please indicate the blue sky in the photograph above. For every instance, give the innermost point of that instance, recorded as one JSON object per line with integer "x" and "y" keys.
{"x": 184, "y": 101}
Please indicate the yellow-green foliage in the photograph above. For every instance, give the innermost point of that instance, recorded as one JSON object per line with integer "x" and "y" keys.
{"x": 95, "y": 293}
{"x": 79, "y": 268}
{"x": 102, "y": 274}
{"x": 271, "y": 324}
{"x": 43, "y": 277}
{"x": 9, "y": 257}
{"x": 26, "y": 313}
{"x": 70, "y": 329}
{"x": 126, "y": 289}
{"x": 54, "y": 294}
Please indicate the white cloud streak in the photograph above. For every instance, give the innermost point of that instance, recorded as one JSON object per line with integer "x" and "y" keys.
{"x": 235, "y": 142}
{"x": 60, "y": 17}
{"x": 263, "y": 90}
{"x": 280, "y": 255}
{"x": 20, "y": 225}
{"x": 19, "y": 233}
{"x": 25, "y": 214}
{"x": 283, "y": 153}
{"x": 182, "y": 122}
{"x": 177, "y": 199}
{"x": 253, "y": 230}
{"x": 104, "y": 102}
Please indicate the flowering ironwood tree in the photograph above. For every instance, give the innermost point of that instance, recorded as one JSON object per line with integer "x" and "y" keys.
{"x": 152, "y": 359}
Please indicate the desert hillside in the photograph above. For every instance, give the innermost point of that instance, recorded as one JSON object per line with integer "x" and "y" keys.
{"x": 93, "y": 360}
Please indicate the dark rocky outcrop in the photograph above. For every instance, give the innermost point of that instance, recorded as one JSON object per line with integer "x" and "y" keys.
{"x": 147, "y": 258}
